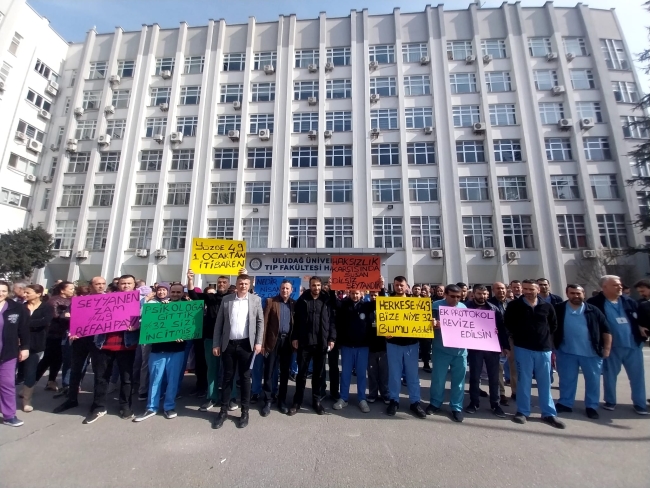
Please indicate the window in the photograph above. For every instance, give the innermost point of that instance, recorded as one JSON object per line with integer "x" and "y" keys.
{"x": 539, "y": 46}
{"x": 303, "y": 90}
{"x": 498, "y": 81}
{"x": 470, "y": 152}
{"x": 227, "y": 123}
{"x": 384, "y": 86}
{"x": 338, "y": 156}
{"x": 545, "y": 79}
{"x": 263, "y": 92}
{"x": 31, "y": 131}
{"x": 194, "y": 65}
{"x": 305, "y": 121}
{"x": 462, "y": 82}
{"x": 72, "y": 195}
{"x": 644, "y": 204}
{"x": 73, "y": 77}
{"x": 78, "y": 162}
{"x": 478, "y": 232}
{"x": 109, "y": 162}
{"x": 612, "y": 230}
{"x": 338, "y": 191}
{"x": 338, "y": 121}
{"x": 187, "y": 125}
{"x": 231, "y": 93}
{"x": 257, "y": 193}
{"x": 413, "y": 53}
{"x": 65, "y": 233}
{"x": 302, "y": 233}
{"x": 226, "y": 158}
{"x": 558, "y": 149}
{"x": 265, "y": 59}
{"x": 156, "y": 126}
{"x": 473, "y": 188}
{"x": 39, "y": 101}
{"x": 151, "y": 160}
{"x": 141, "y": 233}
{"x": 255, "y": 232}
{"x": 507, "y": 150}
{"x": 591, "y": 110}
{"x": 614, "y": 52}
{"x": 91, "y": 100}
{"x": 85, "y": 130}
{"x": 305, "y": 57}
{"x": 575, "y": 46}
{"x": 221, "y": 228}
{"x": 125, "y": 69}
{"x": 597, "y": 148}
{"x": 423, "y": 189}
{"x": 22, "y": 165}
{"x": 121, "y": 98}
{"x": 234, "y": 62}
{"x": 551, "y": 113}
{"x": 178, "y": 193}
{"x": 338, "y": 89}
{"x": 634, "y": 127}
{"x": 386, "y": 191}
{"x": 160, "y": 95}
{"x": 173, "y": 235}
{"x": 382, "y": 54}
{"x": 565, "y": 187}
{"x": 426, "y": 232}
{"x": 385, "y": 154}
{"x": 572, "y": 231}
{"x": 339, "y": 56}
{"x": 421, "y": 153}
{"x": 59, "y": 136}
{"x": 53, "y": 165}
{"x": 4, "y": 71}
{"x": 512, "y": 188}
{"x": 66, "y": 109}
{"x": 97, "y": 70}
{"x": 45, "y": 71}
{"x": 164, "y": 64}
{"x": 223, "y": 193}
{"x": 419, "y": 117}
{"x": 417, "y": 85}
{"x": 387, "y": 231}
{"x": 303, "y": 192}
{"x": 494, "y": 47}
{"x": 518, "y": 231}
{"x": 625, "y": 92}
{"x": 503, "y": 114}
{"x": 146, "y": 194}
{"x": 603, "y": 187}
{"x": 116, "y": 128}
{"x": 304, "y": 157}
{"x": 582, "y": 79}
{"x": 103, "y": 195}
{"x": 260, "y": 157}
{"x": 338, "y": 232}
{"x": 261, "y": 121}
{"x": 190, "y": 95}
{"x": 384, "y": 118}
{"x": 13, "y": 198}
{"x": 466, "y": 115}
{"x": 183, "y": 159}
{"x": 459, "y": 50}
{"x": 97, "y": 235}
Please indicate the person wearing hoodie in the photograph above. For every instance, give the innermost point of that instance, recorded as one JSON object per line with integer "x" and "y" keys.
{"x": 313, "y": 335}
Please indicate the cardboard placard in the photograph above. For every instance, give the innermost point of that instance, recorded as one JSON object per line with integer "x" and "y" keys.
{"x": 356, "y": 273}
{"x": 217, "y": 256}
{"x": 404, "y": 317}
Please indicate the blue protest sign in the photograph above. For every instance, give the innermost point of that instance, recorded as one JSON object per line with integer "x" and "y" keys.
{"x": 269, "y": 287}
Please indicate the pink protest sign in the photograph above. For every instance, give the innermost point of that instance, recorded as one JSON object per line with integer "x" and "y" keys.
{"x": 466, "y": 328}
{"x": 99, "y": 314}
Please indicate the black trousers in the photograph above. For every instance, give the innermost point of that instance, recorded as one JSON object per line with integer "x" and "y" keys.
{"x": 425, "y": 350}
{"x": 334, "y": 374}
{"x": 200, "y": 365}
{"x": 281, "y": 354}
{"x": 238, "y": 354}
{"x": 52, "y": 359}
{"x": 103, "y": 367}
{"x": 82, "y": 348}
{"x": 305, "y": 355}
{"x": 475, "y": 361}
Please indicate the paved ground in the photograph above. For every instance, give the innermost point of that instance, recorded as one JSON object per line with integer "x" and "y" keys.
{"x": 344, "y": 448}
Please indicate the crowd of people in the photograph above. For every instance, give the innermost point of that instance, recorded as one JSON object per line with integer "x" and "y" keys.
{"x": 249, "y": 351}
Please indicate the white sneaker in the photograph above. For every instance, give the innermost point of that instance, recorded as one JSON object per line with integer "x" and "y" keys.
{"x": 340, "y": 404}
{"x": 363, "y": 405}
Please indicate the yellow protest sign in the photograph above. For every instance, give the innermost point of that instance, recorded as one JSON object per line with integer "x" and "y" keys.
{"x": 217, "y": 256}
{"x": 404, "y": 317}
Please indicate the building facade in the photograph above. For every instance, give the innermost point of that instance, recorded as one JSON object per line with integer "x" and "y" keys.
{"x": 474, "y": 145}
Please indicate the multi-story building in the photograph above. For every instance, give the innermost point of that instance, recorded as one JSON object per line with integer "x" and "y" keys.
{"x": 473, "y": 145}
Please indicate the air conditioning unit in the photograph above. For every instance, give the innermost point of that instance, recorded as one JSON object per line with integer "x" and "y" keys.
{"x": 30, "y": 178}
{"x": 312, "y": 68}
{"x": 166, "y": 74}
{"x": 470, "y": 59}
{"x": 109, "y": 109}
{"x": 82, "y": 254}
{"x": 586, "y": 123}
{"x": 79, "y": 111}
{"x": 565, "y": 124}
{"x": 374, "y": 97}
{"x": 374, "y": 132}
{"x": 512, "y": 255}
{"x": 163, "y": 107}
{"x": 50, "y": 90}
{"x": 34, "y": 145}
{"x": 328, "y": 134}
{"x": 589, "y": 254}
{"x": 570, "y": 57}
{"x": 488, "y": 253}
{"x": 615, "y": 252}
{"x": 373, "y": 65}
{"x": 54, "y": 147}
{"x": 236, "y": 105}
{"x": 478, "y": 127}
{"x": 45, "y": 114}
{"x": 104, "y": 140}
{"x": 176, "y": 137}
{"x": 428, "y": 130}
{"x": 53, "y": 84}
{"x": 142, "y": 253}
{"x": 551, "y": 56}
{"x": 313, "y": 134}
{"x": 2, "y": 85}
{"x": 558, "y": 90}
{"x": 46, "y": 179}
{"x": 312, "y": 101}
{"x": 269, "y": 69}
{"x": 264, "y": 134}
{"x": 424, "y": 60}
{"x": 161, "y": 253}
{"x": 65, "y": 254}
{"x": 21, "y": 136}
{"x": 329, "y": 67}
{"x": 158, "y": 138}
{"x": 487, "y": 59}
{"x": 115, "y": 80}
{"x": 234, "y": 135}
{"x": 71, "y": 145}
{"x": 437, "y": 253}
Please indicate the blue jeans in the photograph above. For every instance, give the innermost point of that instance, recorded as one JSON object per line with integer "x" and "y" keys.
{"x": 440, "y": 364}
{"x": 403, "y": 358}
{"x": 168, "y": 365}
{"x": 632, "y": 359}
{"x": 567, "y": 370}
{"x": 539, "y": 363}
{"x": 354, "y": 358}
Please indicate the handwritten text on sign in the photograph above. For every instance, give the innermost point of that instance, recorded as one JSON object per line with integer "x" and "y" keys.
{"x": 269, "y": 287}
{"x": 167, "y": 322}
{"x": 404, "y": 317}
{"x": 356, "y": 273}
{"x": 469, "y": 329}
{"x": 100, "y": 314}
{"x": 218, "y": 256}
